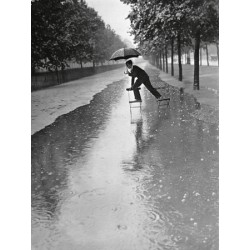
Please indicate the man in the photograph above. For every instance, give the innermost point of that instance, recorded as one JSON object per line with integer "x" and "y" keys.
{"x": 142, "y": 77}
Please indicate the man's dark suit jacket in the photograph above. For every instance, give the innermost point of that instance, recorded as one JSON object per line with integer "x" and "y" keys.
{"x": 139, "y": 73}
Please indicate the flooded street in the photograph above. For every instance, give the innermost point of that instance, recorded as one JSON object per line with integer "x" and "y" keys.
{"x": 105, "y": 178}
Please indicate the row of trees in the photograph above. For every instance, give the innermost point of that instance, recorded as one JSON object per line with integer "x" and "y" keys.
{"x": 163, "y": 26}
{"x": 65, "y": 30}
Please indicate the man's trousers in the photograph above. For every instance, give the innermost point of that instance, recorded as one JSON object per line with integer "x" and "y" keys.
{"x": 148, "y": 85}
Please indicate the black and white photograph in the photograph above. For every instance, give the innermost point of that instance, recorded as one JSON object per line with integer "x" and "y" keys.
{"x": 125, "y": 141}
{"x": 124, "y": 119}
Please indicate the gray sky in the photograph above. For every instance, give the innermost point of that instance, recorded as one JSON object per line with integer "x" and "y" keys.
{"x": 113, "y": 12}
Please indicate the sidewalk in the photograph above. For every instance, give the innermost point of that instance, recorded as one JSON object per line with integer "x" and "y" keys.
{"x": 50, "y": 103}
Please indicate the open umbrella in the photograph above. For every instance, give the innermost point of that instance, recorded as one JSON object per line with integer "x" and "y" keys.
{"x": 124, "y": 53}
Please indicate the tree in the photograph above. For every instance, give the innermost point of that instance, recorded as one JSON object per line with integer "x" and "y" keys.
{"x": 51, "y": 40}
{"x": 177, "y": 20}
{"x": 82, "y": 29}
{"x": 203, "y": 22}
{"x": 160, "y": 21}
{"x": 65, "y": 30}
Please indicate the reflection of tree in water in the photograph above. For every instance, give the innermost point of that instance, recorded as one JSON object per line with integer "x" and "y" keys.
{"x": 56, "y": 148}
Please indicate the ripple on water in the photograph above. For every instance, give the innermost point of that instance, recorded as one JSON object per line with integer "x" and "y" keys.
{"x": 160, "y": 239}
{"x": 40, "y": 216}
{"x": 95, "y": 191}
{"x": 140, "y": 197}
{"x": 67, "y": 194}
{"x": 134, "y": 166}
{"x": 155, "y": 216}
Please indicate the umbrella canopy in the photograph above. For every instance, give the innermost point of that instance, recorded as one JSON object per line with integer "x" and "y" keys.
{"x": 124, "y": 53}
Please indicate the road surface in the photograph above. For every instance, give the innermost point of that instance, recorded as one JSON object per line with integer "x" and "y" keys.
{"x": 104, "y": 178}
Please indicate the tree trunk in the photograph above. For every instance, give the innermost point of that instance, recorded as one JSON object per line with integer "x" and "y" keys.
{"x": 163, "y": 61}
{"x": 81, "y": 63}
{"x": 166, "y": 55}
{"x": 160, "y": 60}
{"x": 207, "y": 55}
{"x": 94, "y": 64}
{"x": 57, "y": 76}
{"x": 62, "y": 73}
{"x": 196, "y": 61}
{"x": 217, "y": 46}
{"x": 33, "y": 70}
{"x": 172, "y": 56}
{"x": 201, "y": 56}
{"x": 179, "y": 56}
{"x": 188, "y": 57}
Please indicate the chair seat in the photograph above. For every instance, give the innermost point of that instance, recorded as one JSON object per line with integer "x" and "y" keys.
{"x": 134, "y": 101}
{"x": 164, "y": 99}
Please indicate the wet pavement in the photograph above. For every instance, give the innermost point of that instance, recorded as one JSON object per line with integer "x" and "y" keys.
{"x": 107, "y": 178}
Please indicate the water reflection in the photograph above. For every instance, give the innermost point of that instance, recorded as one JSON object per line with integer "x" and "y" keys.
{"x": 100, "y": 178}
{"x": 57, "y": 149}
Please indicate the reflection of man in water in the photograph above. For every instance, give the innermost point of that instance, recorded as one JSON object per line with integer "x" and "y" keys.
{"x": 138, "y": 134}
{"x": 140, "y": 145}
{"x": 142, "y": 77}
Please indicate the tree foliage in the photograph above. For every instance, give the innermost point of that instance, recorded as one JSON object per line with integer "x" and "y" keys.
{"x": 157, "y": 23}
{"x": 64, "y": 30}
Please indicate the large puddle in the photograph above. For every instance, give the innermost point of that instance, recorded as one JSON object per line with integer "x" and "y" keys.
{"x": 105, "y": 178}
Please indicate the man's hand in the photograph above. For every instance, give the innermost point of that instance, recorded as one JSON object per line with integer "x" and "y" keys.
{"x": 128, "y": 89}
